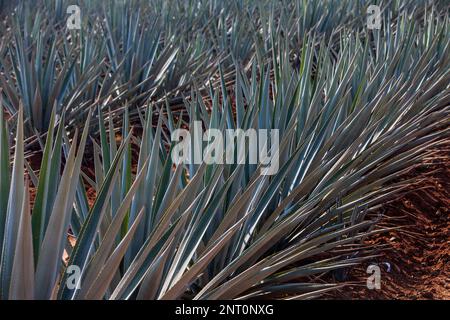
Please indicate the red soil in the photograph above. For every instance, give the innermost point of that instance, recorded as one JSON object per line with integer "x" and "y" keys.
{"x": 418, "y": 255}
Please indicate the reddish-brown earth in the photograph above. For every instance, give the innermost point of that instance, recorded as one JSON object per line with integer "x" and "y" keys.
{"x": 418, "y": 254}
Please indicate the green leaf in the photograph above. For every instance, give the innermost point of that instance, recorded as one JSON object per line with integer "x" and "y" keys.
{"x": 13, "y": 212}
{"x": 22, "y": 277}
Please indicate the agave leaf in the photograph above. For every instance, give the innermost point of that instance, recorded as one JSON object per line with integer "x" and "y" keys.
{"x": 4, "y": 171}
{"x": 49, "y": 257}
{"x": 126, "y": 168}
{"x": 104, "y": 277}
{"x": 148, "y": 185}
{"x": 210, "y": 252}
{"x": 135, "y": 273}
{"x": 192, "y": 239}
{"x": 107, "y": 243}
{"x": 316, "y": 293}
{"x": 90, "y": 227}
{"x": 22, "y": 277}
{"x": 42, "y": 195}
{"x": 150, "y": 285}
{"x": 104, "y": 142}
{"x": 13, "y": 212}
{"x": 53, "y": 244}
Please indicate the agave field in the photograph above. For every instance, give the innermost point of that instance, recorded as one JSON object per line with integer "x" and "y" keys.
{"x": 93, "y": 204}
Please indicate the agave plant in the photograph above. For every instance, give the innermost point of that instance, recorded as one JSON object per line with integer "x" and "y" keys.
{"x": 353, "y": 111}
{"x": 130, "y": 51}
{"x": 46, "y": 65}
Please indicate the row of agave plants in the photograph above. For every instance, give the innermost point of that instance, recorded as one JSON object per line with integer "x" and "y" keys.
{"x": 137, "y": 51}
{"x": 355, "y": 110}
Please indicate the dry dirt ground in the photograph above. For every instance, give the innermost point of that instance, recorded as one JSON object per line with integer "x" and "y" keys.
{"x": 416, "y": 262}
